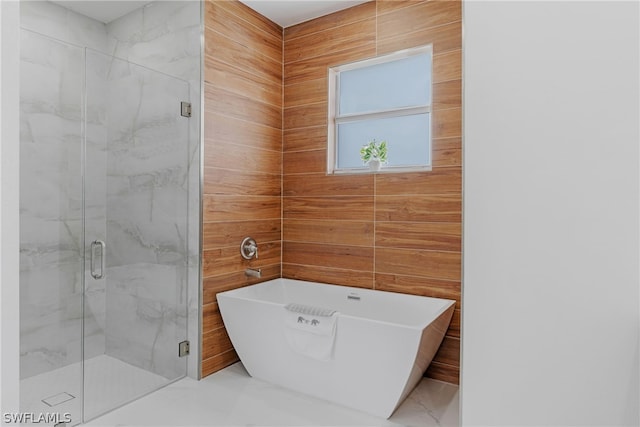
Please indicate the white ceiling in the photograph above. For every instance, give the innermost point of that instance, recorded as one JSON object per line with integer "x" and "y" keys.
{"x": 283, "y": 12}
{"x": 290, "y": 12}
{"x": 101, "y": 10}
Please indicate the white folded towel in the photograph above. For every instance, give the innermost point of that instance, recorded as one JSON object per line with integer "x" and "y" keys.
{"x": 311, "y": 331}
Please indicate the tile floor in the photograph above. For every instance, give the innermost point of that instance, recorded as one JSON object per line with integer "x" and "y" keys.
{"x": 109, "y": 382}
{"x": 232, "y": 398}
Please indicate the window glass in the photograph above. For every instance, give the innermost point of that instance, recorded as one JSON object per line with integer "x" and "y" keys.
{"x": 397, "y": 84}
{"x": 407, "y": 140}
{"x": 387, "y": 98}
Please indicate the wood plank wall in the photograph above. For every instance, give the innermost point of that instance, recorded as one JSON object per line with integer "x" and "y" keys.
{"x": 265, "y": 163}
{"x": 395, "y": 232}
{"x": 242, "y": 159}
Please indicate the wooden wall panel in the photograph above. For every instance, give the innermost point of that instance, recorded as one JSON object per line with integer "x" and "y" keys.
{"x": 425, "y": 208}
{"x": 336, "y": 276}
{"x": 447, "y": 66}
{"x": 318, "y": 43}
{"x": 338, "y": 208}
{"x": 332, "y": 21}
{"x": 251, "y": 17}
{"x": 312, "y": 161}
{"x": 211, "y": 286}
{"x": 314, "y": 138}
{"x": 308, "y": 92}
{"x": 228, "y": 103}
{"x": 303, "y": 185}
{"x": 265, "y": 163}
{"x": 227, "y": 260}
{"x": 392, "y": 5}
{"x": 447, "y": 151}
{"x": 254, "y": 158}
{"x": 243, "y": 160}
{"x": 416, "y": 285}
{"x": 222, "y": 234}
{"x": 423, "y": 14}
{"x": 444, "y": 38}
{"x": 244, "y": 82}
{"x": 438, "y": 181}
{"x": 449, "y": 352}
{"x": 308, "y": 115}
{"x": 215, "y": 342}
{"x": 408, "y": 223}
{"x": 219, "y": 361}
{"x": 239, "y": 182}
{"x": 328, "y": 220}
{"x": 239, "y": 207}
{"x": 223, "y": 48}
{"x": 211, "y": 318}
{"x": 358, "y": 233}
{"x": 447, "y": 94}
{"x": 447, "y": 123}
{"x": 321, "y": 254}
{"x": 316, "y": 67}
{"x": 225, "y": 21}
{"x": 442, "y": 236}
{"x": 454, "y": 327}
{"x": 416, "y": 262}
{"x": 221, "y": 129}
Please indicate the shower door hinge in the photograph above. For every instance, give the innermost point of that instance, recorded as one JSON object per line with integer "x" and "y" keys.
{"x": 185, "y": 109}
{"x": 183, "y": 349}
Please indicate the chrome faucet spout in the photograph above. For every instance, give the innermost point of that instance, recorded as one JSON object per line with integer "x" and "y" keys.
{"x": 253, "y": 272}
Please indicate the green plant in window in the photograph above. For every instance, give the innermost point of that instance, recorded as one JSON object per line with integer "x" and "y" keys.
{"x": 374, "y": 151}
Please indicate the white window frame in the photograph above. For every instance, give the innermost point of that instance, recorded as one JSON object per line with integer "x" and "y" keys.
{"x": 334, "y": 119}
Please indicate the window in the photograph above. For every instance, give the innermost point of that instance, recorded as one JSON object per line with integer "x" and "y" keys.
{"x": 387, "y": 98}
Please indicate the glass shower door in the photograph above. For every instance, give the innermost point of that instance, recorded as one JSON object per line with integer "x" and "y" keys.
{"x": 135, "y": 210}
{"x": 51, "y": 250}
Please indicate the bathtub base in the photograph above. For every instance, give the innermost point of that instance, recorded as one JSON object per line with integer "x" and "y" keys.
{"x": 375, "y": 365}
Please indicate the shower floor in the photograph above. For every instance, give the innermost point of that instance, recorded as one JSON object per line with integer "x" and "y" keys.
{"x": 110, "y": 382}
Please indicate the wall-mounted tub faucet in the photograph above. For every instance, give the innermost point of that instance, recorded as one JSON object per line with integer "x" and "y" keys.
{"x": 249, "y": 248}
{"x": 253, "y": 272}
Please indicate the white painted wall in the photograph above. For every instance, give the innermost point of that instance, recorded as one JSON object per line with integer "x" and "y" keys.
{"x": 551, "y": 214}
{"x": 9, "y": 204}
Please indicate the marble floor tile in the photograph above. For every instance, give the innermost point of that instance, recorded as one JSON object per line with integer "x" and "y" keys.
{"x": 232, "y": 398}
{"x": 108, "y": 382}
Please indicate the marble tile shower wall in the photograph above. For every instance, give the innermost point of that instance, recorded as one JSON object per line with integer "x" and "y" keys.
{"x": 51, "y": 190}
{"x": 146, "y": 213}
{"x": 163, "y": 36}
{"x": 145, "y": 247}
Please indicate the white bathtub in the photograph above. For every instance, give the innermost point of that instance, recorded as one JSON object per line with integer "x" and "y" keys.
{"x": 384, "y": 341}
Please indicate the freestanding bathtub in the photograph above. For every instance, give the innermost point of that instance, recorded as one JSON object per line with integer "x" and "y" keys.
{"x": 383, "y": 341}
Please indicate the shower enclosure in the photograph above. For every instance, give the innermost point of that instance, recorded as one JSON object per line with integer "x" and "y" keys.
{"x": 104, "y": 192}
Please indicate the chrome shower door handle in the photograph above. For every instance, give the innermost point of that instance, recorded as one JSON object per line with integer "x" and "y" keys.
{"x": 94, "y": 245}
